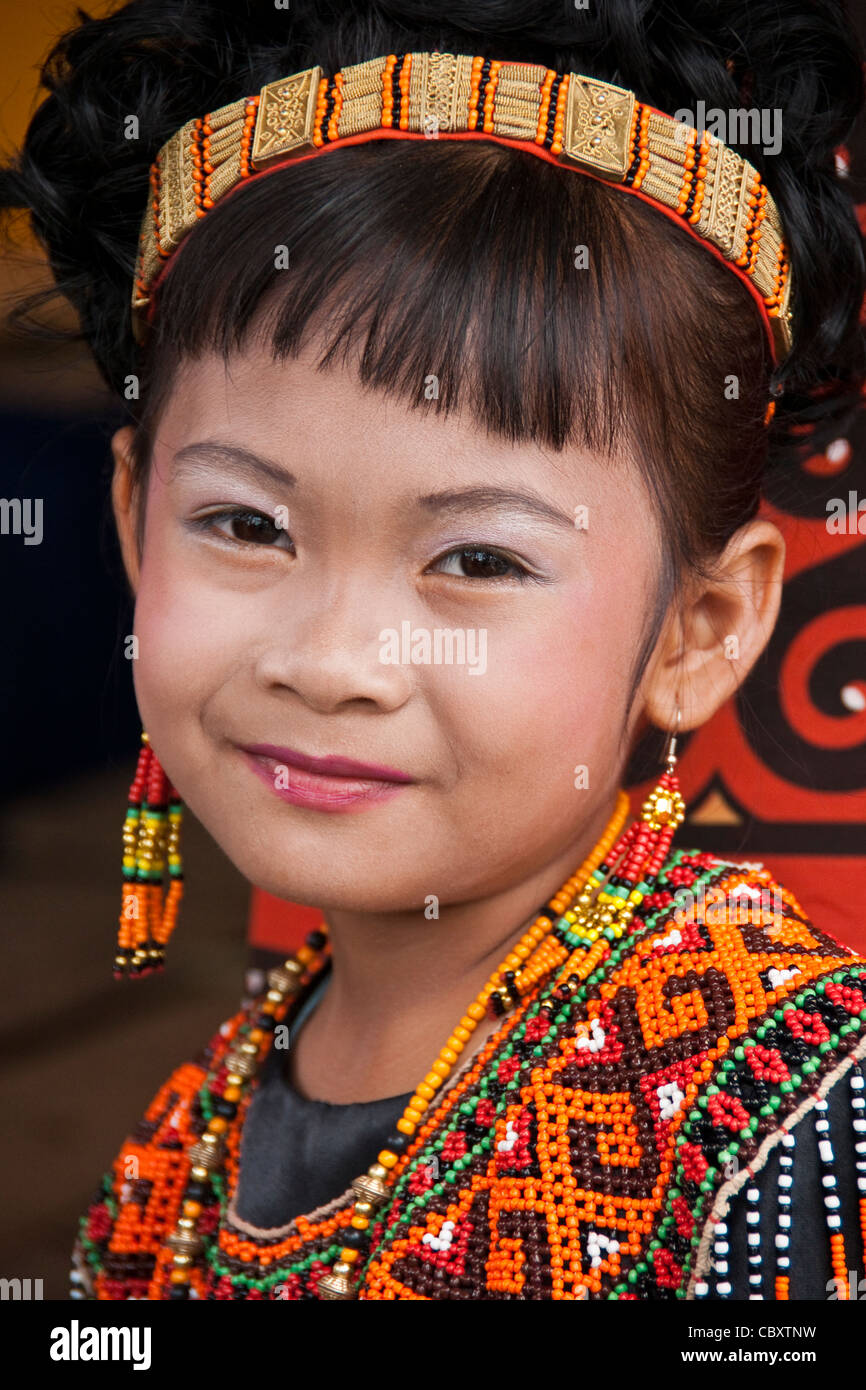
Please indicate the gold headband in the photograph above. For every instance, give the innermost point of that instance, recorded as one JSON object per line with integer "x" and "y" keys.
{"x": 603, "y": 130}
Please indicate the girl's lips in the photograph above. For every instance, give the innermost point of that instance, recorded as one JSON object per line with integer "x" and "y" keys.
{"x": 331, "y": 766}
{"x": 312, "y": 789}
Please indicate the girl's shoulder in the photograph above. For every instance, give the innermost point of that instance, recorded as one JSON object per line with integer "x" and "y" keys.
{"x": 743, "y": 1019}
{"x": 687, "y": 1052}
{"x": 139, "y": 1199}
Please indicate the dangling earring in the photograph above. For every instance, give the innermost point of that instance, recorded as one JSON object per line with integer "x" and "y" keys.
{"x": 627, "y": 875}
{"x": 151, "y": 845}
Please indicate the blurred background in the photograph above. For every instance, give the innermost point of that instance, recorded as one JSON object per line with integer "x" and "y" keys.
{"x": 779, "y": 775}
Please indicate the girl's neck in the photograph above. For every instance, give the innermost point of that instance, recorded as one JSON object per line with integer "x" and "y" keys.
{"x": 401, "y": 982}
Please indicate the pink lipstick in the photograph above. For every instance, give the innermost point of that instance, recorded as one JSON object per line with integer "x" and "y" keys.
{"x": 324, "y": 784}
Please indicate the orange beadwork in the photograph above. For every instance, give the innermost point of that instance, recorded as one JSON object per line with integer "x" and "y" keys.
{"x": 387, "y": 95}
{"x": 840, "y": 1265}
{"x": 490, "y": 96}
{"x": 321, "y": 107}
{"x": 633, "y": 1030}
{"x": 405, "y": 76}
{"x": 151, "y": 852}
{"x": 250, "y": 111}
{"x": 559, "y": 118}
{"x": 541, "y": 128}
{"x": 560, "y": 1097}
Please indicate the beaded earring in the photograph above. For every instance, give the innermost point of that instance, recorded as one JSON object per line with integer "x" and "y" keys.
{"x": 629, "y": 871}
{"x": 151, "y": 846}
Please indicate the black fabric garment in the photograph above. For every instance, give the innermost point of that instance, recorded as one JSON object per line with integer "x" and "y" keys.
{"x": 811, "y": 1271}
{"x": 298, "y": 1154}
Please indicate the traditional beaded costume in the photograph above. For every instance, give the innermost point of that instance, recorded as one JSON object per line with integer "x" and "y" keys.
{"x": 662, "y": 1029}
{"x": 590, "y": 1150}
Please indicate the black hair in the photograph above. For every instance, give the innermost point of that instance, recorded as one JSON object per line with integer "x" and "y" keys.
{"x": 457, "y": 259}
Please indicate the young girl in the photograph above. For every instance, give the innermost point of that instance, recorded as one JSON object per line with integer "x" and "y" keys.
{"x": 455, "y": 355}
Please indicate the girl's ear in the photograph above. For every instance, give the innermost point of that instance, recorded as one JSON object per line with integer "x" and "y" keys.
{"x": 124, "y": 499}
{"x": 712, "y": 640}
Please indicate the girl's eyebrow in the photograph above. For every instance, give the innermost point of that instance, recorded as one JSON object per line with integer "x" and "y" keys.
{"x": 213, "y": 456}
{"x": 489, "y": 498}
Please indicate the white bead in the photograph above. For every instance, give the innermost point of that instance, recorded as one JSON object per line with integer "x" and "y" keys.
{"x": 832, "y": 1202}
{"x": 828, "y": 1180}
{"x": 784, "y": 1219}
{"x": 753, "y": 1217}
{"x": 825, "y": 1149}
{"x": 754, "y": 1237}
{"x": 701, "y": 1289}
{"x": 720, "y": 1266}
{"x": 724, "y": 1289}
{"x": 782, "y": 1241}
{"x": 785, "y": 1180}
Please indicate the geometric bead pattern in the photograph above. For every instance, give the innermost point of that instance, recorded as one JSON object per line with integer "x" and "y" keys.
{"x": 580, "y": 1154}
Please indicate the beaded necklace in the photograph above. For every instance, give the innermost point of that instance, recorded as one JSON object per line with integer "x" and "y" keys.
{"x": 590, "y": 1148}
{"x": 538, "y": 954}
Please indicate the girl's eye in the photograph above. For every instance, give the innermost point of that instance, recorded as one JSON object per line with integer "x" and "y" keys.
{"x": 476, "y": 562}
{"x": 246, "y": 527}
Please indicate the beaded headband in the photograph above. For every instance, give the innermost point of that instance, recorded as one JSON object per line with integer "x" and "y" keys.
{"x": 602, "y": 130}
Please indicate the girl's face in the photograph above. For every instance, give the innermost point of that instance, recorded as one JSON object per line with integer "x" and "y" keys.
{"x": 305, "y": 542}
